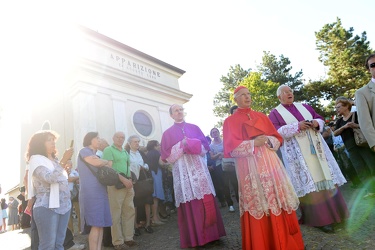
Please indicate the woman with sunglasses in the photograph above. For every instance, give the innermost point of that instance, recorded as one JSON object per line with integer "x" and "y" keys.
{"x": 361, "y": 157}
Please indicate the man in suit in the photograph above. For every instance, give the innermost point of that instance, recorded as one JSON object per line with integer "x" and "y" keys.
{"x": 365, "y": 102}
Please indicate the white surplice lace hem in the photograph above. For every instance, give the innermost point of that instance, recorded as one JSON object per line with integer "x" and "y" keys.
{"x": 264, "y": 186}
{"x": 297, "y": 168}
{"x": 191, "y": 177}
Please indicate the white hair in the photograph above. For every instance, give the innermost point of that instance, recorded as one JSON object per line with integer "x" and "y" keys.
{"x": 132, "y": 137}
{"x": 278, "y": 92}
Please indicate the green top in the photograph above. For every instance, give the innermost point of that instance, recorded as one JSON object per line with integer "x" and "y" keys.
{"x": 120, "y": 159}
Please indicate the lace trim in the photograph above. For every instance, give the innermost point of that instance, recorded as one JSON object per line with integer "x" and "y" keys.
{"x": 296, "y": 165}
{"x": 191, "y": 178}
{"x": 264, "y": 186}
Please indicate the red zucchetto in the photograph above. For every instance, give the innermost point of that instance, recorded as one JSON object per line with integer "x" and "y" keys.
{"x": 238, "y": 89}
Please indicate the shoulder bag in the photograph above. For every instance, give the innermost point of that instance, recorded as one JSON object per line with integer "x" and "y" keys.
{"x": 120, "y": 185}
{"x": 359, "y": 138}
{"x": 144, "y": 187}
{"x": 105, "y": 175}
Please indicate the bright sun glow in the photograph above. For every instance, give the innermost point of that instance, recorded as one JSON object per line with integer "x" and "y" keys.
{"x": 38, "y": 57}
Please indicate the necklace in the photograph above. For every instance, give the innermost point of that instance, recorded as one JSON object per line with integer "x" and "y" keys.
{"x": 182, "y": 128}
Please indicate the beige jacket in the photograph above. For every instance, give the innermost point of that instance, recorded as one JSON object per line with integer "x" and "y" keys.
{"x": 365, "y": 103}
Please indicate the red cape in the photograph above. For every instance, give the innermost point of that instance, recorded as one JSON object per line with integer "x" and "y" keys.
{"x": 238, "y": 128}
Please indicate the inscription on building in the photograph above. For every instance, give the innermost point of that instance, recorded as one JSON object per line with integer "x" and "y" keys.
{"x": 135, "y": 67}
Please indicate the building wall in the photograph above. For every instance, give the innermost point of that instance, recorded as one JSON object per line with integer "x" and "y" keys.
{"x": 107, "y": 84}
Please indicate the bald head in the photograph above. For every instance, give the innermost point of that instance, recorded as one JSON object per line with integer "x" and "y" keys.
{"x": 177, "y": 112}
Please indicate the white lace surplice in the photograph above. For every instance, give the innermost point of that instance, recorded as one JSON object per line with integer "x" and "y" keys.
{"x": 296, "y": 165}
{"x": 264, "y": 186}
{"x": 191, "y": 178}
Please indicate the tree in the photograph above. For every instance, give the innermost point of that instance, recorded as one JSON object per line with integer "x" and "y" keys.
{"x": 279, "y": 71}
{"x": 263, "y": 93}
{"x": 222, "y": 100}
{"x": 272, "y": 72}
{"x": 344, "y": 55}
{"x": 311, "y": 92}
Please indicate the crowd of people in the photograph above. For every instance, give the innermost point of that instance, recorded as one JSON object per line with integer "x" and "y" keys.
{"x": 13, "y": 213}
{"x": 271, "y": 165}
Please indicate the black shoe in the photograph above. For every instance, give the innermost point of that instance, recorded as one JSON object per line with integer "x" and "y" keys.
{"x": 327, "y": 229}
{"x": 137, "y": 232}
{"x": 223, "y": 204}
{"x": 149, "y": 229}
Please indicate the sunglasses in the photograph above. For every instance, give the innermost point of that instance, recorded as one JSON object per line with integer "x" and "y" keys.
{"x": 372, "y": 65}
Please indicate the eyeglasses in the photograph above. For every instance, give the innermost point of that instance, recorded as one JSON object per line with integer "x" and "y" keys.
{"x": 372, "y": 65}
{"x": 337, "y": 107}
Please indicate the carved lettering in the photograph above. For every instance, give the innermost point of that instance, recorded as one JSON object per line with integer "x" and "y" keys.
{"x": 134, "y": 67}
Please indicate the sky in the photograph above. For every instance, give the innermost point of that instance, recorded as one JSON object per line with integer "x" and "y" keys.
{"x": 204, "y": 38}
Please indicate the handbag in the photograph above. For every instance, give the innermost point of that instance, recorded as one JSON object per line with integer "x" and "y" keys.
{"x": 144, "y": 187}
{"x": 228, "y": 165}
{"x": 105, "y": 175}
{"x": 75, "y": 192}
{"x": 359, "y": 138}
{"x": 120, "y": 185}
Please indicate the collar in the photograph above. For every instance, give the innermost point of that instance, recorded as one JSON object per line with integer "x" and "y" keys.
{"x": 287, "y": 105}
{"x": 114, "y": 146}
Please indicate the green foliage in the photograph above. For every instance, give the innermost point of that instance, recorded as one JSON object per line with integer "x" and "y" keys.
{"x": 223, "y": 100}
{"x": 263, "y": 93}
{"x": 340, "y": 51}
{"x": 272, "y": 73}
{"x": 279, "y": 71}
{"x": 344, "y": 54}
{"x": 310, "y": 93}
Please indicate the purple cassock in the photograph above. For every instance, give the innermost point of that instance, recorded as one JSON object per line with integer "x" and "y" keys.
{"x": 320, "y": 206}
{"x": 199, "y": 219}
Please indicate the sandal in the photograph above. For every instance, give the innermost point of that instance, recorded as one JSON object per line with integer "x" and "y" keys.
{"x": 149, "y": 229}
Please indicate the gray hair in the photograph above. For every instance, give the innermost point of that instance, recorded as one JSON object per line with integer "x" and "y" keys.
{"x": 278, "y": 92}
{"x": 132, "y": 137}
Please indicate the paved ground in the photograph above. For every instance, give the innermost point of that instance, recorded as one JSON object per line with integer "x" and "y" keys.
{"x": 356, "y": 233}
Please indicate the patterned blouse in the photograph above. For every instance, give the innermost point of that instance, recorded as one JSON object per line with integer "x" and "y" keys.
{"x": 42, "y": 178}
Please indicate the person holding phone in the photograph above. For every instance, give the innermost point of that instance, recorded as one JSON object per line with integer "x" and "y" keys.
{"x": 309, "y": 162}
{"x": 47, "y": 180}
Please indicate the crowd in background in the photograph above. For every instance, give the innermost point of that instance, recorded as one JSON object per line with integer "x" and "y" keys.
{"x": 271, "y": 165}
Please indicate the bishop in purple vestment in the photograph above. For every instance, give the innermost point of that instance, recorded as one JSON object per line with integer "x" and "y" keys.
{"x": 312, "y": 168}
{"x": 199, "y": 219}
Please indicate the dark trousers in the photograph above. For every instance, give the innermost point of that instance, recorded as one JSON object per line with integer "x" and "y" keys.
{"x": 222, "y": 181}
{"x": 217, "y": 180}
{"x": 363, "y": 160}
{"x": 347, "y": 167}
{"x": 230, "y": 178}
{"x": 107, "y": 237}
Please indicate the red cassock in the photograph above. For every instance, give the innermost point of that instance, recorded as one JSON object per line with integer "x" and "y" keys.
{"x": 270, "y": 231}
